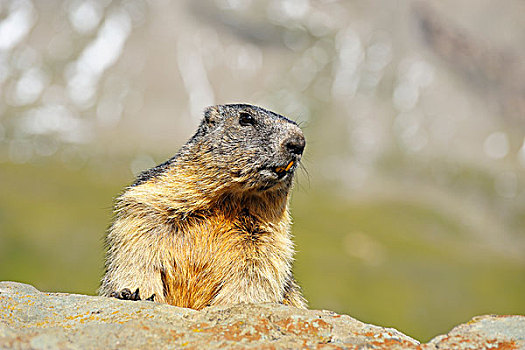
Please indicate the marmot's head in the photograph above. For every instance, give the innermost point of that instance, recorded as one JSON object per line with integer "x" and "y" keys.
{"x": 249, "y": 147}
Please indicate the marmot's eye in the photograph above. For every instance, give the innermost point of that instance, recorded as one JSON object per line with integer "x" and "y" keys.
{"x": 246, "y": 119}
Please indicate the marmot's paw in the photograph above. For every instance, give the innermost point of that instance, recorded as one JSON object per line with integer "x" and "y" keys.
{"x": 125, "y": 294}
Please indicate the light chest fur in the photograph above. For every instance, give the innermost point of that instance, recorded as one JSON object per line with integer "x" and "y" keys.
{"x": 236, "y": 250}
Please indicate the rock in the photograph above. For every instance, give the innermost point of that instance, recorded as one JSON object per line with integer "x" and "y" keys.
{"x": 30, "y": 319}
{"x": 485, "y": 332}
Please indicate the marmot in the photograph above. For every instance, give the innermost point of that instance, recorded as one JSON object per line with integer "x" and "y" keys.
{"x": 211, "y": 225}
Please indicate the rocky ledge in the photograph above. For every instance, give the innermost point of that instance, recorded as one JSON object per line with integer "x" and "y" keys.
{"x": 30, "y": 319}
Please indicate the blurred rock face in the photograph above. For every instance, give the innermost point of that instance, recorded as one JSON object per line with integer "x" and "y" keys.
{"x": 72, "y": 71}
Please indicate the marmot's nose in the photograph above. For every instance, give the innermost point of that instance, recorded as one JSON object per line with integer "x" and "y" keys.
{"x": 295, "y": 144}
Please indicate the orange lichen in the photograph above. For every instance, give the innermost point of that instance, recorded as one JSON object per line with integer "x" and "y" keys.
{"x": 455, "y": 341}
{"x": 317, "y": 328}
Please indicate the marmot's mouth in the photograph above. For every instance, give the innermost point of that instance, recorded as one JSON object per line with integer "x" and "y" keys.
{"x": 282, "y": 170}
{"x": 273, "y": 175}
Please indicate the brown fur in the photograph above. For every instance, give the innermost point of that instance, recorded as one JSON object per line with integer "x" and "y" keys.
{"x": 196, "y": 237}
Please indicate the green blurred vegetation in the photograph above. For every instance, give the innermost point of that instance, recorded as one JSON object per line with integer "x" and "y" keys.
{"x": 52, "y": 220}
{"x": 421, "y": 274}
{"x": 384, "y": 260}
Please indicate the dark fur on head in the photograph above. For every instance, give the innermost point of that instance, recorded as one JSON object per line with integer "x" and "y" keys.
{"x": 260, "y": 141}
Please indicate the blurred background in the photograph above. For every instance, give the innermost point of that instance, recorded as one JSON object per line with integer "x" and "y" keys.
{"x": 411, "y": 211}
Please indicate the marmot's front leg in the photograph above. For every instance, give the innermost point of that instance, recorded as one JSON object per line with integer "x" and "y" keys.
{"x": 125, "y": 294}
{"x": 133, "y": 262}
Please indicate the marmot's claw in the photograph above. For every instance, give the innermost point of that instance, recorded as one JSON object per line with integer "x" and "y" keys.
{"x": 135, "y": 296}
{"x": 125, "y": 294}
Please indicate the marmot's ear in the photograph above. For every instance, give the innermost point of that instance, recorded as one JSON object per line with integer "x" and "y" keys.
{"x": 212, "y": 115}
